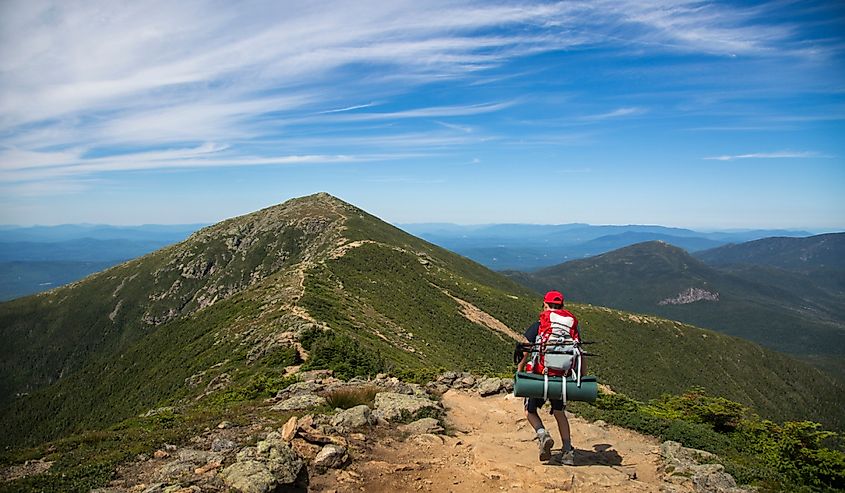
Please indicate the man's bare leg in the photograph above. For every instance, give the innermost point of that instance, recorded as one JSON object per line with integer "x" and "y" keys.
{"x": 563, "y": 426}
{"x": 545, "y": 439}
{"x": 534, "y": 420}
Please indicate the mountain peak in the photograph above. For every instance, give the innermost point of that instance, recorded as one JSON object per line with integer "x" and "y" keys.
{"x": 652, "y": 248}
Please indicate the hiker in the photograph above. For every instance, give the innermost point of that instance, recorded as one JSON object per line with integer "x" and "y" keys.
{"x": 553, "y": 312}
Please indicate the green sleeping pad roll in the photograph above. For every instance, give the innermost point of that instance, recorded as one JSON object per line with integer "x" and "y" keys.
{"x": 531, "y": 385}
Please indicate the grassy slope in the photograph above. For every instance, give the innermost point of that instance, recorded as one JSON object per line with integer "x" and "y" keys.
{"x": 149, "y": 373}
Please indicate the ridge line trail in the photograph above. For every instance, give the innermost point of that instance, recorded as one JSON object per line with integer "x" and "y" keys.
{"x": 491, "y": 448}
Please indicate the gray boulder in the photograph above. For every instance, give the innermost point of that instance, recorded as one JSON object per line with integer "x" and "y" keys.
{"x": 447, "y": 377}
{"x": 222, "y": 444}
{"x": 712, "y": 478}
{"x": 310, "y": 376}
{"x": 298, "y": 388}
{"x": 330, "y": 457}
{"x": 184, "y": 462}
{"x": 354, "y": 417}
{"x": 263, "y": 468}
{"x": 465, "y": 382}
{"x": 250, "y": 476}
{"x": 507, "y": 384}
{"x": 490, "y": 386}
{"x": 305, "y": 401}
{"x": 683, "y": 465}
{"x": 422, "y": 426}
{"x": 391, "y": 406}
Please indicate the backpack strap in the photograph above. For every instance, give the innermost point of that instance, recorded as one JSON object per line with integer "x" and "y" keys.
{"x": 577, "y": 366}
{"x": 545, "y": 386}
{"x": 563, "y": 391}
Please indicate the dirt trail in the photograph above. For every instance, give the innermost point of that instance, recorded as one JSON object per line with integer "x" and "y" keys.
{"x": 492, "y": 449}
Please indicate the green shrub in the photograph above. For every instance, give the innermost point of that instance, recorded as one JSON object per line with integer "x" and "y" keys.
{"x": 343, "y": 355}
{"x": 723, "y": 415}
{"x": 416, "y": 375}
{"x": 793, "y": 456}
{"x": 260, "y": 385}
{"x": 308, "y": 336}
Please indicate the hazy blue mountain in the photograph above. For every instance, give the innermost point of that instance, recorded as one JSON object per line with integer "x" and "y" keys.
{"x": 169, "y": 233}
{"x": 741, "y": 236}
{"x": 529, "y": 247}
{"x": 612, "y": 242}
{"x": 34, "y": 259}
{"x": 808, "y": 254}
{"x": 78, "y": 250}
{"x": 23, "y": 278}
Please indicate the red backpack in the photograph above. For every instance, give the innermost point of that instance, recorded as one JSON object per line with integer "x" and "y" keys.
{"x": 554, "y": 351}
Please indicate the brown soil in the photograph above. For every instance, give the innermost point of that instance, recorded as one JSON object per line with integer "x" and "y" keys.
{"x": 491, "y": 447}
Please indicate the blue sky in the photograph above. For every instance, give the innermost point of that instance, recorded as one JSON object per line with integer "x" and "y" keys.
{"x": 680, "y": 113}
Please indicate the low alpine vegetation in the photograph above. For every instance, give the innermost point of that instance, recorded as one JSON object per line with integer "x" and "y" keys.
{"x": 348, "y": 397}
{"x": 792, "y": 456}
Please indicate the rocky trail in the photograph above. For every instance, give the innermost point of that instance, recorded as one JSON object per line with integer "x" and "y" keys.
{"x": 491, "y": 447}
{"x": 460, "y": 433}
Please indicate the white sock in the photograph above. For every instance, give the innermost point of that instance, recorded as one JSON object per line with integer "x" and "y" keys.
{"x": 541, "y": 432}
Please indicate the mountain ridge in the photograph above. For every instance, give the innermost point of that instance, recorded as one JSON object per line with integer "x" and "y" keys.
{"x": 320, "y": 282}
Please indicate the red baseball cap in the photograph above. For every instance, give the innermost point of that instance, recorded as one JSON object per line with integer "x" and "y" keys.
{"x": 553, "y": 297}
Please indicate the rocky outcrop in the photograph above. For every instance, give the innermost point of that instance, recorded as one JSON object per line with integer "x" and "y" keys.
{"x": 354, "y": 417}
{"x": 330, "y": 457}
{"x": 485, "y": 386}
{"x": 265, "y": 467}
{"x": 392, "y": 406}
{"x": 181, "y": 468}
{"x": 685, "y": 466}
{"x": 305, "y": 401}
{"x": 422, "y": 427}
{"x": 489, "y": 386}
{"x": 691, "y": 295}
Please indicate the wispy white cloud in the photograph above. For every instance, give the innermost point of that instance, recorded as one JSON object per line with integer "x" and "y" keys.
{"x": 617, "y": 113}
{"x": 205, "y": 156}
{"x": 771, "y": 155}
{"x": 461, "y": 128}
{"x": 348, "y": 108}
{"x": 430, "y": 112}
{"x": 115, "y": 77}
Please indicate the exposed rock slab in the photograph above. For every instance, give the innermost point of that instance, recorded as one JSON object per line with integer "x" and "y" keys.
{"x": 330, "y": 457}
{"x": 265, "y": 467}
{"x": 305, "y": 401}
{"x": 354, "y": 417}
{"x": 392, "y": 406}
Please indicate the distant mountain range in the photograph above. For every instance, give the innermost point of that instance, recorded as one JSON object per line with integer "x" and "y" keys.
{"x": 34, "y": 259}
{"x": 528, "y": 247}
{"x": 320, "y": 280}
{"x": 145, "y": 232}
{"x": 784, "y": 293}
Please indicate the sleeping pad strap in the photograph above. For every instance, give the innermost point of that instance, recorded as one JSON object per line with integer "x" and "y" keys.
{"x": 545, "y": 386}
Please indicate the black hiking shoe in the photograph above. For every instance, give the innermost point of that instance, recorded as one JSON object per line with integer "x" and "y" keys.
{"x": 546, "y": 444}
